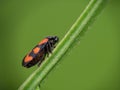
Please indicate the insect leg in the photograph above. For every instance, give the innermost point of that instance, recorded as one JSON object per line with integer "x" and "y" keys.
{"x": 53, "y": 45}
{"x": 47, "y": 50}
{"x": 42, "y": 57}
{"x": 49, "y": 47}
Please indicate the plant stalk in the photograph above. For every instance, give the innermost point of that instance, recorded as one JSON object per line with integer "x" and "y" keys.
{"x": 91, "y": 11}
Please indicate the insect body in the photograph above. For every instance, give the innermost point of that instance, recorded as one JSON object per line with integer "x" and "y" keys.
{"x": 38, "y": 53}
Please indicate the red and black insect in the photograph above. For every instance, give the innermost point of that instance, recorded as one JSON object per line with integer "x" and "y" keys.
{"x": 39, "y": 52}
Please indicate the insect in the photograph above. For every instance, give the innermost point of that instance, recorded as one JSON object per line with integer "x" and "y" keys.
{"x": 39, "y": 52}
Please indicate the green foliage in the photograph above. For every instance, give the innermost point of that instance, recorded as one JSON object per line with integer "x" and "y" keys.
{"x": 91, "y": 11}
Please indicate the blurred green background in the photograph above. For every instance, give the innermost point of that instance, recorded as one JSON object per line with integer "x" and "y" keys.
{"x": 92, "y": 64}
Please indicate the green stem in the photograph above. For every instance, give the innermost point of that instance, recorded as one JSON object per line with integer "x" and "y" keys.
{"x": 91, "y": 11}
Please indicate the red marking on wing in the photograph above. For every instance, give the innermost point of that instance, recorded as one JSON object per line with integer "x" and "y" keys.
{"x": 43, "y": 41}
{"x": 36, "y": 50}
{"x": 28, "y": 58}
